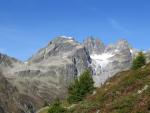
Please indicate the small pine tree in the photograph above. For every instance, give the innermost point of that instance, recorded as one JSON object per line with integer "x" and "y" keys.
{"x": 80, "y": 87}
{"x": 86, "y": 82}
{"x": 56, "y": 107}
{"x": 73, "y": 90}
{"x": 139, "y": 61}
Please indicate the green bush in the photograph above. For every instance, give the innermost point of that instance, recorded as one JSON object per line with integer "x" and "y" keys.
{"x": 139, "y": 61}
{"x": 80, "y": 87}
{"x": 56, "y": 107}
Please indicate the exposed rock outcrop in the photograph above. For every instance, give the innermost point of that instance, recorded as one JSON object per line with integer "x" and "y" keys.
{"x": 110, "y": 60}
{"x": 94, "y": 46}
{"x": 47, "y": 74}
{"x": 11, "y": 101}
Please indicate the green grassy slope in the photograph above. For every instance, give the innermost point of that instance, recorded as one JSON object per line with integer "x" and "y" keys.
{"x": 127, "y": 92}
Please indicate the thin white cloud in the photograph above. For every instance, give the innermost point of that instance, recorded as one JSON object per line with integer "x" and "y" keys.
{"x": 117, "y": 25}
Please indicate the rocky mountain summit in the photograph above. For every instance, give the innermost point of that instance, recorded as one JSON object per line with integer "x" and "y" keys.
{"x": 111, "y": 60}
{"x": 48, "y": 72}
{"x": 94, "y": 45}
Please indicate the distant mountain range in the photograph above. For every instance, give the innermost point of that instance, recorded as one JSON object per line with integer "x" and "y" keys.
{"x": 48, "y": 73}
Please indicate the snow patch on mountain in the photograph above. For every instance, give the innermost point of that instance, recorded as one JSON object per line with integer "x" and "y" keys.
{"x": 26, "y": 62}
{"x": 99, "y": 63}
{"x": 102, "y": 59}
{"x": 116, "y": 51}
{"x": 66, "y": 37}
{"x": 131, "y": 51}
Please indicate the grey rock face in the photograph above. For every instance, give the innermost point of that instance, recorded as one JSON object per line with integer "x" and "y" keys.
{"x": 94, "y": 45}
{"x": 6, "y": 93}
{"x": 11, "y": 101}
{"x": 122, "y": 57}
{"x": 62, "y": 51}
{"x": 47, "y": 74}
{"x": 121, "y": 45}
{"x": 147, "y": 54}
{"x": 7, "y": 62}
{"x": 114, "y": 59}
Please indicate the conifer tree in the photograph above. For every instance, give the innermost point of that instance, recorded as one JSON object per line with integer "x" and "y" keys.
{"x": 139, "y": 61}
{"x": 80, "y": 87}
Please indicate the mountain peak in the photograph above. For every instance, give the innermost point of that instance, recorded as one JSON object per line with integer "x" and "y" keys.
{"x": 122, "y": 42}
{"x": 7, "y": 61}
{"x": 52, "y": 68}
{"x": 94, "y": 45}
{"x": 67, "y": 37}
{"x": 59, "y": 46}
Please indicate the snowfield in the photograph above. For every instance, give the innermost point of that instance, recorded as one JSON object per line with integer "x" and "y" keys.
{"x": 66, "y": 37}
{"x": 99, "y": 62}
{"x": 102, "y": 59}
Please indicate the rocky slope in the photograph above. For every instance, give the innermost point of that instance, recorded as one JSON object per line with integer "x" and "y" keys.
{"x": 7, "y": 62}
{"x": 8, "y": 96}
{"x": 11, "y": 101}
{"x": 126, "y": 92}
{"x": 94, "y": 46}
{"x": 108, "y": 60}
{"x": 48, "y": 73}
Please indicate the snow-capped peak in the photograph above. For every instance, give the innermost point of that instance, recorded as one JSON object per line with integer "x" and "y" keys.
{"x": 102, "y": 57}
{"x": 66, "y": 37}
{"x": 101, "y": 60}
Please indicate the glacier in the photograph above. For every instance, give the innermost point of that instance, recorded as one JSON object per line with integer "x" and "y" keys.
{"x": 99, "y": 64}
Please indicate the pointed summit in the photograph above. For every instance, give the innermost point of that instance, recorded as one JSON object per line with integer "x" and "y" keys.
{"x": 94, "y": 45}
{"x": 122, "y": 44}
{"x": 60, "y": 46}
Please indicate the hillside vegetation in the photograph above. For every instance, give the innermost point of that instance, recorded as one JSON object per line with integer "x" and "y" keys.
{"x": 127, "y": 92}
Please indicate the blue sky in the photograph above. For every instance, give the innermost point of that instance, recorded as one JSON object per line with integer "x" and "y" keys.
{"x": 27, "y": 25}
